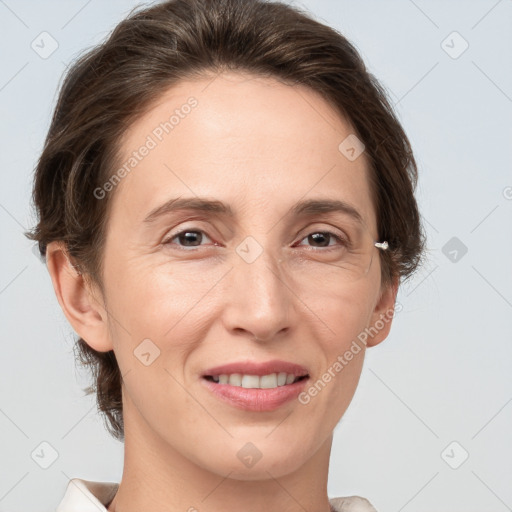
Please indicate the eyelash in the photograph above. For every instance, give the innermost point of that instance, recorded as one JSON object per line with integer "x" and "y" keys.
{"x": 343, "y": 242}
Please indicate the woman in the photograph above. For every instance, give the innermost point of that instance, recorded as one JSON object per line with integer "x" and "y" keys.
{"x": 226, "y": 206}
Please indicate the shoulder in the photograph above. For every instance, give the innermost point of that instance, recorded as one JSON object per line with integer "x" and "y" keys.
{"x": 351, "y": 504}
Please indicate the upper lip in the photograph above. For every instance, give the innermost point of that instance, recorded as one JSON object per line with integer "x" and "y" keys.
{"x": 254, "y": 368}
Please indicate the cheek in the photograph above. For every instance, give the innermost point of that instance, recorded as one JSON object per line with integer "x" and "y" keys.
{"x": 343, "y": 313}
{"x": 154, "y": 300}
{"x": 343, "y": 308}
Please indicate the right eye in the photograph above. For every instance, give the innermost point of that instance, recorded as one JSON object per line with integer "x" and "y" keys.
{"x": 188, "y": 237}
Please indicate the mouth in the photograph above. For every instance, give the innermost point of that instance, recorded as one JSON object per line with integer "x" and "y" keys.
{"x": 251, "y": 374}
{"x": 247, "y": 381}
{"x": 256, "y": 386}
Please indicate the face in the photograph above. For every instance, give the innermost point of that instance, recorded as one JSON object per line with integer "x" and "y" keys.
{"x": 248, "y": 280}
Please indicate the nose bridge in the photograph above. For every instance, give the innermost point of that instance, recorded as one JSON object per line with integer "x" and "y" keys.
{"x": 259, "y": 271}
{"x": 258, "y": 298}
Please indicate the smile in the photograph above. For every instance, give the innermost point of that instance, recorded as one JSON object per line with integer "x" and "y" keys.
{"x": 253, "y": 386}
{"x": 270, "y": 381}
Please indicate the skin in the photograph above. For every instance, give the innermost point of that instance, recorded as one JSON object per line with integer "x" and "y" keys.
{"x": 260, "y": 146}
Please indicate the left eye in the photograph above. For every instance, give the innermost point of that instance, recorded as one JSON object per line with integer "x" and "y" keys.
{"x": 323, "y": 238}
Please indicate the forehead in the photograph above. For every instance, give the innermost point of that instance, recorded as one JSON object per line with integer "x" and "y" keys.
{"x": 249, "y": 141}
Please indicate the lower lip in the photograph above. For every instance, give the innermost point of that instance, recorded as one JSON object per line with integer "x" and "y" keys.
{"x": 256, "y": 399}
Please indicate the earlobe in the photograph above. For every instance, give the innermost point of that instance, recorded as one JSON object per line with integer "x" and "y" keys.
{"x": 382, "y": 316}
{"x": 82, "y": 305}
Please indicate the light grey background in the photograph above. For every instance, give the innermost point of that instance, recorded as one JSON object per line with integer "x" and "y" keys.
{"x": 442, "y": 375}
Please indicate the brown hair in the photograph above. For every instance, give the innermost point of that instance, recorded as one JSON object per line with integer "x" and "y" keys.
{"x": 110, "y": 86}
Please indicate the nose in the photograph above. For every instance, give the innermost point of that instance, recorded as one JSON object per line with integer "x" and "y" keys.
{"x": 258, "y": 300}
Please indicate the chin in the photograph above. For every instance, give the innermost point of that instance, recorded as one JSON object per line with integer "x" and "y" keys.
{"x": 277, "y": 467}
{"x": 260, "y": 459}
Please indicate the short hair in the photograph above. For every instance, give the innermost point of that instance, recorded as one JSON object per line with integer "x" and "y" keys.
{"x": 111, "y": 85}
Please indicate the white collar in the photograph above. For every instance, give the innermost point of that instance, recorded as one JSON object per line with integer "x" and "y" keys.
{"x": 88, "y": 496}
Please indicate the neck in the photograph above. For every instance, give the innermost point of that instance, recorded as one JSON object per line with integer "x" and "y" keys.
{"x": 159, "y": 477}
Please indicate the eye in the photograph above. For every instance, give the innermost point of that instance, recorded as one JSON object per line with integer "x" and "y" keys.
{"x": 323, "y": 239}
{"x": 192, "y": 238}
{"x": 187, "y": 238}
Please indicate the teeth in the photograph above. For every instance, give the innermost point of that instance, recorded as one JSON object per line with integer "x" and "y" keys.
{"x": 250, "y": 381}
{"x": 235, "y": 379}
{"x": 268, "y": 381}
{"x": 273, "y": 380}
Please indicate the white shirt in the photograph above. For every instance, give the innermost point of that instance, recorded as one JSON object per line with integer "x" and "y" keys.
{"x": 87, "y": 496}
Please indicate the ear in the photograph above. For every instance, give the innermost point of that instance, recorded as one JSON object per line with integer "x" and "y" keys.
{"x": 81, "y": 302}
{"x": 382, "y": 316}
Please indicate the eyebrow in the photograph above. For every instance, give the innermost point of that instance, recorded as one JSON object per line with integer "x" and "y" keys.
{"x": 302, "y": 208}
